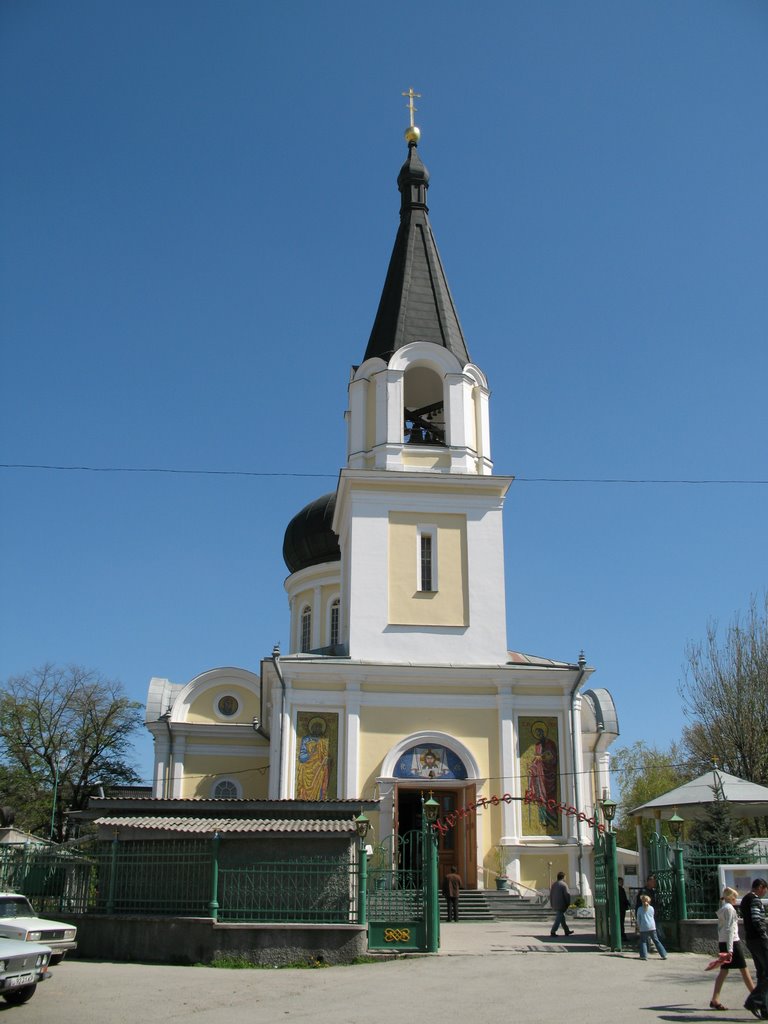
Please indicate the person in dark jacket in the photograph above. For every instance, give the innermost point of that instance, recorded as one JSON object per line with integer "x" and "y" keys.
{"x": 753, "y": 915}
{"x": 452, "y": 885}
{"x": 560, "y": 900}
{"x": 623, "y": 907}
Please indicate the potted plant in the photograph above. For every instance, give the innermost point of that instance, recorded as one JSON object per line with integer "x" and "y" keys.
{"x": 502, "y": 882}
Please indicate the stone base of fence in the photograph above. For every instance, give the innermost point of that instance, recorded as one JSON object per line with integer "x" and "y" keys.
{"x": 195, "y": 940}
{"x": 700, "y": 936}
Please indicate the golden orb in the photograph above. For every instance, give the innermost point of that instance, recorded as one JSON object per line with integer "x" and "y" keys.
{"x": 412, "y": 135}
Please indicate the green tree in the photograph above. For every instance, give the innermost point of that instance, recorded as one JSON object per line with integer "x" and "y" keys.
{"x": 724, "y": 693}
{"x": 644, "y": 772}
{"x": 64, "y": 730}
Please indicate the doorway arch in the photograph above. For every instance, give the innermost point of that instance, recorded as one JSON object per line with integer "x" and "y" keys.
{"x": 440, "y": 763}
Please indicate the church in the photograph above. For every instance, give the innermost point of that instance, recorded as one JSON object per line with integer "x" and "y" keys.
{"x": 399, "y": 682}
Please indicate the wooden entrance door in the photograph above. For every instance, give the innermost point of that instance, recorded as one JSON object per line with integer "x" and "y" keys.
{"x": 459, "y": 844}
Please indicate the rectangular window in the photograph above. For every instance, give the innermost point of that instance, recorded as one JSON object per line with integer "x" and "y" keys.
{"x": 306, "y": 630}
{"x": 334, "y": 624}
{"x": 427, "y": 559}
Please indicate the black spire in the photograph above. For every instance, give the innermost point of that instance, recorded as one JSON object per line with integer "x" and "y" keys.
{"x": 416, "y": 303}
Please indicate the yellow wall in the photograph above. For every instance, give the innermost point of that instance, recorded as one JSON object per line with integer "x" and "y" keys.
{"x": 426, "y": 460}
{"x": 535, "y": 871}
{"x": 202, "y": 771}
{"x": 202, "y": 708}
{"x": 449, "y": 604}
{"x": 383, "y": 728}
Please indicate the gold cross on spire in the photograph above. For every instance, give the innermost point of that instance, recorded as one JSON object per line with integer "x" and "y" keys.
{"x": 412, "y": 133}
{"x": 411, "y": 96}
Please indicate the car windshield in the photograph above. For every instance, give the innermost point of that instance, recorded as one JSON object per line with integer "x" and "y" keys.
{"x": 15, "y": 906}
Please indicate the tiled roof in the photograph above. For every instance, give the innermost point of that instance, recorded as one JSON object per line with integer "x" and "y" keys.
{"x": 209, "y": 825}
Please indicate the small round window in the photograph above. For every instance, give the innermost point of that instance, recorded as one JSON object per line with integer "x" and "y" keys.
{"x": 227, "y": 705}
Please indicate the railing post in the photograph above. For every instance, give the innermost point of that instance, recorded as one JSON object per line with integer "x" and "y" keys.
{"x": 213, "y": 906}
{"x": 362, "y": 884}
{"x": 682, "y": 900}
{"x": 112, "y": 875}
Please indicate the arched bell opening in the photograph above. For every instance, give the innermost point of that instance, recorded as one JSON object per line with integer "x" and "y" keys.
{"x": 423, "y": 407}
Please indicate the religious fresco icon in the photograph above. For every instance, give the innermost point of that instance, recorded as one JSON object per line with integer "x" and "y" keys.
{"x": 428, "y": 761}
{"x": 539, "y": 767}
{"x": 317, "y": 755}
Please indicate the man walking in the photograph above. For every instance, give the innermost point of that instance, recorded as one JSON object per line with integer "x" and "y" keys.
{"x": 753, "y": 915}
{"x": 560, "y": 900}
{"x": 451, "y": 887}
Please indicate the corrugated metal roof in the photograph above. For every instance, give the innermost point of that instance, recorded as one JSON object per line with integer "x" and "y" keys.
{"x": 208, "y": 825}
{"x": 518, "y": 658}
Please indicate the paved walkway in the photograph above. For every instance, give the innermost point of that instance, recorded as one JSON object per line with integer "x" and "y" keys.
{"x": 497, "y": 973}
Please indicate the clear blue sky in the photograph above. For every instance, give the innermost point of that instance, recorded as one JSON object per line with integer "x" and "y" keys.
{"x": 198, "y": 205}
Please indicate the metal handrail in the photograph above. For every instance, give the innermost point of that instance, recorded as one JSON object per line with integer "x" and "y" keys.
{"x": 541, "y": 896}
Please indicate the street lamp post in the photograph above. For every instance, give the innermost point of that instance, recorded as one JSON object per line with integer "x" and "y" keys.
{"x": 676, "y": 828}
{"x": 611, "y": 874}
{"x": 430, "y": 812}
{"x": 55, "y": 794}
{"x": 362, "y": 825}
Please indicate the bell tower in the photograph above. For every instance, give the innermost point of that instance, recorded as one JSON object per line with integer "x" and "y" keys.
{"x": 418, "y": 509}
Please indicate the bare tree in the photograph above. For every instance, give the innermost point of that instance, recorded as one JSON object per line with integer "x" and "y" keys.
{"x": 62, "y": 731}
{"x": 725, "y": 696}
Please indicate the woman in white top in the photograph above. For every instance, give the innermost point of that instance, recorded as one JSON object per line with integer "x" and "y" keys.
{"x": 731, "y": 953}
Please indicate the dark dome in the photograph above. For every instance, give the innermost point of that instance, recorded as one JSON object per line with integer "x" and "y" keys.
{"x": 309, "y": 539}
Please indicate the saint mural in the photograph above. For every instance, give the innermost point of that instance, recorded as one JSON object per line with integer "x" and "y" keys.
{"x": 316, "y": 756}
{"x": 539, "y": 764}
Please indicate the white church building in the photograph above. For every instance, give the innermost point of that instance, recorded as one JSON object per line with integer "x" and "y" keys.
{"x": 399, "y": 680}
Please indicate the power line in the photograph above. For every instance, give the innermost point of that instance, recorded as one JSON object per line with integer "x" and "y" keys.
{"x": 654, "y": 481}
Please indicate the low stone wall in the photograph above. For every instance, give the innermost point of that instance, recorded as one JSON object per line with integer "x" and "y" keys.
{"x": 195, "y": 940}
{"x": 700, "y": 936}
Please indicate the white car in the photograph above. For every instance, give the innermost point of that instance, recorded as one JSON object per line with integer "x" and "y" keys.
{"x": 22, "y": 966}
{"x": 18, "y": 920}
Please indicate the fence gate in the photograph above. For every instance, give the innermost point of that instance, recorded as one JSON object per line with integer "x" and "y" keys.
{"x": 602, "y": 917}
{"x": 397, "y": 893}
{"x": 660, "y": 860}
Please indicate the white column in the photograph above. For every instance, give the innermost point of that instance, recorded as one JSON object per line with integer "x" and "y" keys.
{"x": 389, "y": 419}
{"x": 483, "y": 429}
{"x": 287, "y": 788}
{"x": 351, "y": 785}
{"x": 459, "y": 421}
{"x": 510, "y": 782}
{"x": 177, "y": 781}
{"x": 356, "y": 425}
{"x": 162, "y": 747}
{"x": 317, "y": 618}
{"x": 577, "y": 788}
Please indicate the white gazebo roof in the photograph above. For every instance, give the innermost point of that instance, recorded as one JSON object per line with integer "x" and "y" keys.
{"x": 747, "y": 799}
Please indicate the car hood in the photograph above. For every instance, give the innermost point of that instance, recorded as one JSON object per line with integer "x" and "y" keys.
{"x": 16, "y": 947}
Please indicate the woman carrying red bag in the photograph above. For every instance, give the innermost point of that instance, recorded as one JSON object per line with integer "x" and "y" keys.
{"x": 731, "y": 953}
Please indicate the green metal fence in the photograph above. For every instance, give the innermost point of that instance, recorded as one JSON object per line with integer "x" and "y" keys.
{"x": 205, "y": 878}
{"x": 185, "y": 878}
{"x": 702, "y": 883}
{"x": 145, "y": 877}
{"x": 55, "y": 881}
{"x": 303, "y": 890}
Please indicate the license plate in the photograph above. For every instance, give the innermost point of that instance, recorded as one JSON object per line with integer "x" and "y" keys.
{"x": 20, "y": 979}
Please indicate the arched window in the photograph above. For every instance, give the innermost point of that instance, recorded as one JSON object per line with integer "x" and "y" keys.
{"x": 334, "y": 631}
{"x": 226, "y": 789}
{"x": 306, "y": 629}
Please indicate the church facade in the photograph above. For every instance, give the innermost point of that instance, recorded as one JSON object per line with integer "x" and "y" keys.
{"x": 398, "y": 680}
